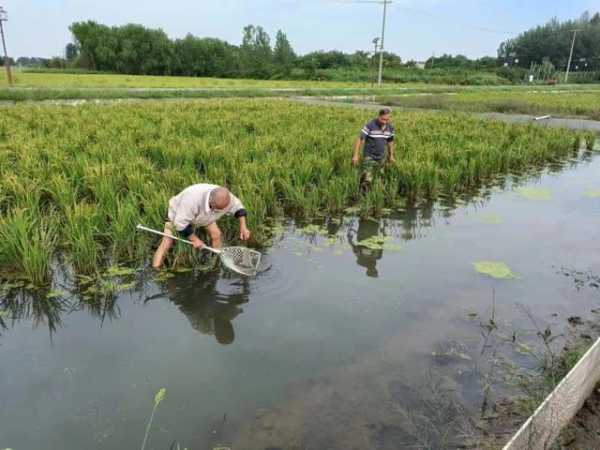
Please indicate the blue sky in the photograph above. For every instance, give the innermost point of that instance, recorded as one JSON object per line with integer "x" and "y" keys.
{"x": 416, "y": 28}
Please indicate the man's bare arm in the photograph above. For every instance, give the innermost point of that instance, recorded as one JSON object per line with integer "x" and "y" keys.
{"x": 244, "y": 231}
{"x": 392, "y": 152}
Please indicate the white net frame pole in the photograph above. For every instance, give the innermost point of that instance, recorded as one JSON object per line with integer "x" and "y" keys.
{"x": 558, "y": 409}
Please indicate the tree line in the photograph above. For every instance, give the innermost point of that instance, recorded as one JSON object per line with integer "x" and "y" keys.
{"x": 137, "y": 50}
{"x": 551, "y": 44}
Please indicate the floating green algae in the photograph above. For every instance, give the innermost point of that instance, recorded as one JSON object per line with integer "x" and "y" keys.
{"x": 116, "y": 271}
{"x": 531, "y": 193}
{"x": 374, "y": 242}
{"x": 379, "y": 243}
{"x": 312, "y": 230}
{"x": 490, "y": 219}
{"x": 494, "y": 269}
{"x": 593, "y": 194}
{"x": 163, "y": 275}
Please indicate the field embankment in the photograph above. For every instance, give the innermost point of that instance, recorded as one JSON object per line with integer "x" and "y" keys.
{"x": 577, "y": 103}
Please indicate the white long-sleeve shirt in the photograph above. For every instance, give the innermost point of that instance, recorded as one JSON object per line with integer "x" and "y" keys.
{"x": 191, "y": 207}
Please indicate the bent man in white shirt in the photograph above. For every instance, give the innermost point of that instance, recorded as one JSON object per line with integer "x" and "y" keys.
{"x": 200, "y": 205}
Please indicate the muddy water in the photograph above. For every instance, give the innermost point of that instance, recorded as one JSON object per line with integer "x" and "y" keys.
{"x": 333, "y": 346}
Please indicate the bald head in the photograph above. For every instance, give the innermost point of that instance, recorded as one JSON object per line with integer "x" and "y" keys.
{"x": 219, "y": 198}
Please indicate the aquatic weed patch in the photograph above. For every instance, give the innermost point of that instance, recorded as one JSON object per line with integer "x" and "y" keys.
{"x": 494, "y": 269}
{"x": 379, "y": 243}
{"x": 490, "y": 219}
{"x": 532, "y": 193}
{"x": 75, "y": 181}
{"x": 593, "y": 193}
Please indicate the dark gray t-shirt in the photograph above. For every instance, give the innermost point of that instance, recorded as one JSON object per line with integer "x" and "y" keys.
{"x": 376, "y": 139}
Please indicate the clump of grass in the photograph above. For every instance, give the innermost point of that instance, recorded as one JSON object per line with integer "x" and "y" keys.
{"x": 159, "y": 397}
{"x": 27, "y": 242}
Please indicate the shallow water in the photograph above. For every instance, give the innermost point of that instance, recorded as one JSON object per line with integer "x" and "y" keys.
{"x": 332, "y": 346}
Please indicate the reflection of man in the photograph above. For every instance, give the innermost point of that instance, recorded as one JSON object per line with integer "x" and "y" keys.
{"x": 209, "y": 311}
{"x": 365, "y": 256}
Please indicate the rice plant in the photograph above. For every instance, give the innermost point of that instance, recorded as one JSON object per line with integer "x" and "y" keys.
{"x": 75, "y": 181}
{"x": 27, "y": 243}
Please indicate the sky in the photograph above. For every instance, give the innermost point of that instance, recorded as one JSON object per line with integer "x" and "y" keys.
{"x": 416, "y": 29}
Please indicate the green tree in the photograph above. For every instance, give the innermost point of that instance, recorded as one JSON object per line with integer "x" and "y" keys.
{"x": 71, "y": 51}
{"x": 97, "y": 44}
{"x": 256, "y": 54}
{"x": 10, "y": 60}
{"x": 553, "y": 41}
{"x": 56, "y": 63}
{"x": 283, "y": 54}
{"x": 140, "y": 50}
{"x": 205, "y": 57}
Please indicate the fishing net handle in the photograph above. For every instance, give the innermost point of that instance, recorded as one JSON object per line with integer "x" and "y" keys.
{"x": 170, "y": 236}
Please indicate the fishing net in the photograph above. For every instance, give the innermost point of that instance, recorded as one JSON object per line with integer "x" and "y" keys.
{"x": 242, "y": 260}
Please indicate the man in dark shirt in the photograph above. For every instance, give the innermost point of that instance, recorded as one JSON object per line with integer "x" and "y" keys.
{"x": 374, "y": 137}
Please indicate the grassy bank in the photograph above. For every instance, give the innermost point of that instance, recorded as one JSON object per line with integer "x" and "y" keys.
{"x": 463, "y": 77}
{"x": 95, "y": 80}
{"x": 322, "y": 78}
{"x": 563, "y": 103}
{"x": 399, "y": 95}
{"x": 43, "y": 94}
{"x": 76, "y": 181}
{"x": 555, "y": 362}
{"x": 78, "y": 86}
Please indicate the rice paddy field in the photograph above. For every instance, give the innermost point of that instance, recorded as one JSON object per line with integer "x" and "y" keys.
{"x": 584, "y": 103}
{"x": 76, "y": 180}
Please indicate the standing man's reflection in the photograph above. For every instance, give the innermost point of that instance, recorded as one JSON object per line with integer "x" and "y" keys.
{"x": 208, "y": 310}
{"x": 366, "y": 257}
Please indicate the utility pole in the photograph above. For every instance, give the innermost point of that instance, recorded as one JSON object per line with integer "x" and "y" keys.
{"x": 570, "y": 56}
{"x": 4, "y": 18}
{"x": 372, "y": 66}
{"x": 381, "y": 46}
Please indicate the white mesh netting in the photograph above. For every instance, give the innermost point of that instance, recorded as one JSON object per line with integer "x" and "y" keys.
{"x": 242, "y": 260}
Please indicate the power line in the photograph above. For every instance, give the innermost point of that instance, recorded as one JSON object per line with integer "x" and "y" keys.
{"x": 385, "y": 4}
{"x": 464, "y": 24}
{"x": 433, "y": 16}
